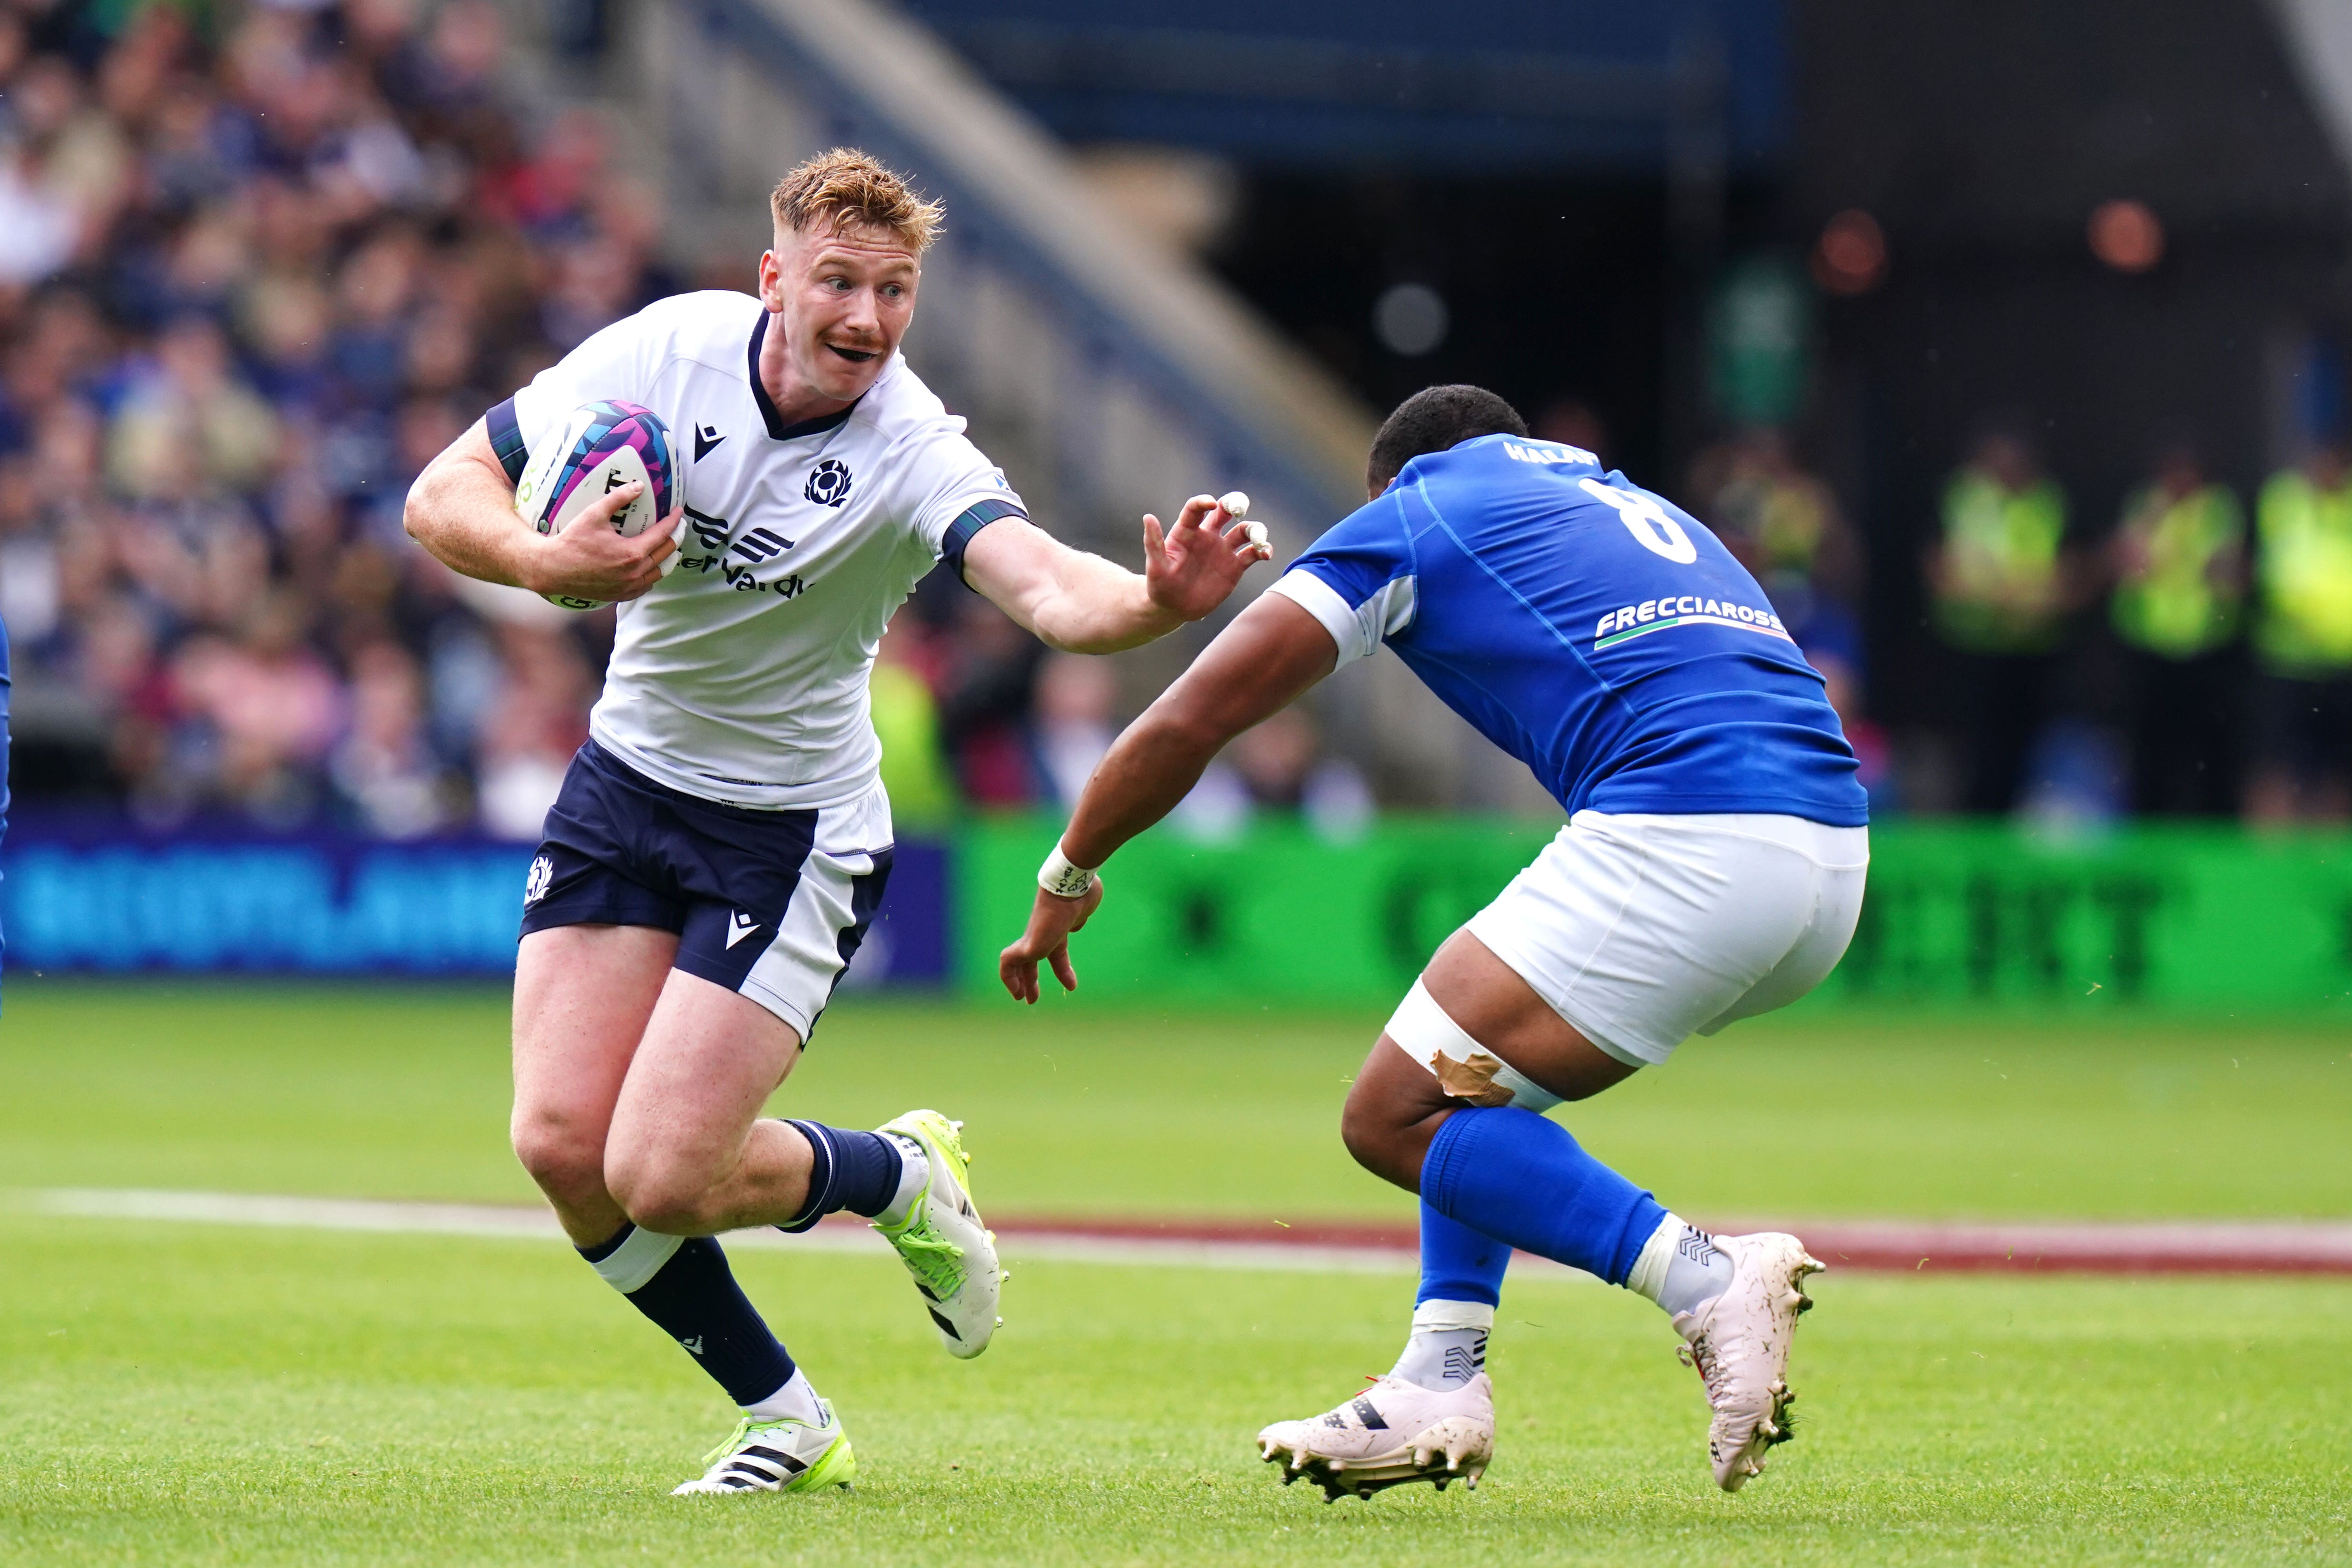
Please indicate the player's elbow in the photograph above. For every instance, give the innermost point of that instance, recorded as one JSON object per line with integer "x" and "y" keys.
{"x": 415, "y": 513}
{"x": 1182, "y": 730}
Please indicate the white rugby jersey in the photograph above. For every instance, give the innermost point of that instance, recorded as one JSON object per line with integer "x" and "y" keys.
{"x": 741, "y": 676}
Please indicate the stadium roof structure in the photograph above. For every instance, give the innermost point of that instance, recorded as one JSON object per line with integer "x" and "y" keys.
{"x": 1998, "y": 126}
{"x": 1504, "y": 85}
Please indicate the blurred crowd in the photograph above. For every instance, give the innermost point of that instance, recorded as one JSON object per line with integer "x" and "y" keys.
{"x": 2192, "y": 657}
{"x": 259, "y": 262}
{"x": 257, "y": 265}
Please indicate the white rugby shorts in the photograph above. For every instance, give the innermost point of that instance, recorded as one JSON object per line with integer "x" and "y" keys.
{"x": 1642, "y": 931}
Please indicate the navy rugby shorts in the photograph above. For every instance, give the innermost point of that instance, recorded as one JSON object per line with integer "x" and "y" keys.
{"x": 770, "y": 904}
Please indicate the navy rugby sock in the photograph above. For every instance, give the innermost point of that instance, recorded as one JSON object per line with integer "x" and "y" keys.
{"x": 854, "y": 1171}
{"x": 683, "y": 1283}
{"x": 1520, "y": 1178}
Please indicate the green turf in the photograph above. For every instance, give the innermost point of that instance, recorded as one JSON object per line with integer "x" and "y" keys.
{"x": 210, "y": 1395}
{"x": 403, "y": 1093}
{"x": 214, "y": 1395}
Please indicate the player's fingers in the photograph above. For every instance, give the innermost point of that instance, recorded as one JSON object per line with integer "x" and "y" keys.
{"x": 1063, "y": 971}
{"x": 649, "y": 547}
{"x": 1155, "y": 543}
{"x": 1248, "y": 539}
{"x": 1197, "y": 512}
{"x": 1017, "y": 973}
{"x": 605, "y": 508}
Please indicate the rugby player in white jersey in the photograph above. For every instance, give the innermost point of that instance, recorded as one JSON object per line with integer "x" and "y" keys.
{"x": 721, "y": 841}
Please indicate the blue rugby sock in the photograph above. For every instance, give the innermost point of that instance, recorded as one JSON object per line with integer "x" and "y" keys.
{"x": 854, "y": 1171}
{"x": 1461, "y": 1283}
{"x": 1520, "y": 1178}
{"x": 1458, "y": 1263}
{"x": 683, "y": 1284}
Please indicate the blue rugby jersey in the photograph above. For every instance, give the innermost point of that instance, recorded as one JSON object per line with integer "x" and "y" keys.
{"x": 1594, "y": 631}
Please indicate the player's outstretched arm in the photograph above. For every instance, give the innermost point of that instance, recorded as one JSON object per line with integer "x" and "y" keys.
{"x": 461, "y": 508}
{"x": 1081, "y": 603}
{"x": 1271, "y": 654}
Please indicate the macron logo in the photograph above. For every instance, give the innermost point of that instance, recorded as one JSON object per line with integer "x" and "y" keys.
{"x": 693, "y": 1346}
{"x": 738, "y": 926}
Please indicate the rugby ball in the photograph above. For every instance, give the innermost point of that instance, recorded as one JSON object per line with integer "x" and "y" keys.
{"x": 601, "y": 448}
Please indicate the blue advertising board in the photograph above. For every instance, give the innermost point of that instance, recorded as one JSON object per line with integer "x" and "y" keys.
{"x": 98, "y": 898}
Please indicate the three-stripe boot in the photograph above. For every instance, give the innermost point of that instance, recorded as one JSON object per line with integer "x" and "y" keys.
{"x": 1392, "y": 1432}
{"x": 786, "y": 1456}
{"x": 941, "y": 1239}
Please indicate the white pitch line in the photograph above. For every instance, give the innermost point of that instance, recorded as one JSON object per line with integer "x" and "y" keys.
{"x": 377, "y": 1216}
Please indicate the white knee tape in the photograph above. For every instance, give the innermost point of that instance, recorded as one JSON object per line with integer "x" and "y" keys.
{"x": 1427, "y": 1033}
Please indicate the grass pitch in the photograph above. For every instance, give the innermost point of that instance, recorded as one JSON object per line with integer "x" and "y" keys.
{"x": 403, "y": 1093}
{"x": 213, "y": 1395}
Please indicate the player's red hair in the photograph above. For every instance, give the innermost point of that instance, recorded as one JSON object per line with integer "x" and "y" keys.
{"x": 847, "y": 188}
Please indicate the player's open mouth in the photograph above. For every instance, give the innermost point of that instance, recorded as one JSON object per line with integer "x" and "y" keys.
{"x": 855, "y": 356}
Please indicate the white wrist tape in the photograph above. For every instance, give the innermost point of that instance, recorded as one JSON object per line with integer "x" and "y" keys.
{"x": 1061, "y": 878}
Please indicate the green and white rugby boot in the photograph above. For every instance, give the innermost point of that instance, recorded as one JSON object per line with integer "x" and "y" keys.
{"x": 941, "y": 1240}
{"x": 785, "y": 1456}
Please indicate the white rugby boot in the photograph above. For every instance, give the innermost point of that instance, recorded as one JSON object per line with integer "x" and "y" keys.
{"x": 1393, "y": 1433}
{"x": 943, "y": 1243}
{"x": 785, "y": 1456}
{"x": 1740, "y": 1343}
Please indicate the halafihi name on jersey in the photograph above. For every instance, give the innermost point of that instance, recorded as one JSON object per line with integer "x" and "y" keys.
{"x": 756, "y": 548}
{"x": 1547, "y": 452}
{"x": 1630, "y": 621}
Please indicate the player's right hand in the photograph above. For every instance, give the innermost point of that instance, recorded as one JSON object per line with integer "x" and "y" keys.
{"x": 588, "y": 560}
{"x": 1051, "y": 921}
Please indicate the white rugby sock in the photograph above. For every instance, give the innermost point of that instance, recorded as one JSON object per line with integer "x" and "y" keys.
{"x": 796, "y": 1401}
{"x": 1680, "y": 1269}
{"x": 1448, "y": 1347}
{"x": 914, "y": 1175}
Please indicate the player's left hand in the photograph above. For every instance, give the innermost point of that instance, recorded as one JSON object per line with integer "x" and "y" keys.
{"x": 1191, "y": 569}
{"x": 1051, "y": 921}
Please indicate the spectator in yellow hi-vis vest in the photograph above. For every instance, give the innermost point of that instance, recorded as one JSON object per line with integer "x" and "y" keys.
{"x": 2003, "y": 581}
{"x": 907, "y": 722}
{"x": 2179, "y": 561}
{"x": 2302, "y": 639}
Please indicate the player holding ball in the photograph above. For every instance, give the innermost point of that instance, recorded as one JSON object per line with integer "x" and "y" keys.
{"x": 721, "y": 841}
{"x": 1711, "y": 869}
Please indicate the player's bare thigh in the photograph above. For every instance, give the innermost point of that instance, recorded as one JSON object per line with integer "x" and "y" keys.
{"x": 583, "y": 997}
{"x": 686, "y": 1154}
{"x": 1396, "y": 1104}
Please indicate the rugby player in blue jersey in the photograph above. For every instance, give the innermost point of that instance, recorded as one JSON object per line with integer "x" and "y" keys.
{"x": 1711, "y": 869}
